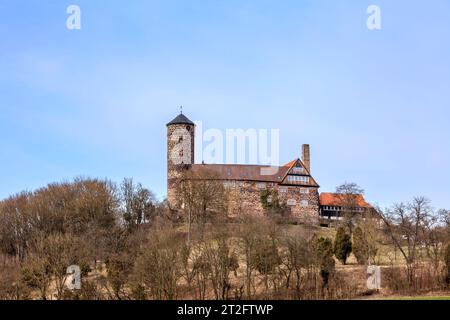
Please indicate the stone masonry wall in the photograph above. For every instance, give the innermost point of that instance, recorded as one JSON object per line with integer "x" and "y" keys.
{"x": 245, "y": 198}
{"x": 180, "y": 155}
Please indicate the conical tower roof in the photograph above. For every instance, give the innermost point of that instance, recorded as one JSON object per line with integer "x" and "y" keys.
{"x": 180, "y": 119}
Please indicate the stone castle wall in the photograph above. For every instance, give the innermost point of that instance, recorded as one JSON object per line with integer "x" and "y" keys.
{"x": 245, "y": 198}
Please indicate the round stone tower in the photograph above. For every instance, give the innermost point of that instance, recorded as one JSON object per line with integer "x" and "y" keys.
{"x": 180, "y": 152}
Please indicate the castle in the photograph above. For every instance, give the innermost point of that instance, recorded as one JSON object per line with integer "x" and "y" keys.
{"x": 293, "y": 182}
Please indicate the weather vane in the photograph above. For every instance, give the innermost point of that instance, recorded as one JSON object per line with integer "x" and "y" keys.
{"x": 181, "y": 109}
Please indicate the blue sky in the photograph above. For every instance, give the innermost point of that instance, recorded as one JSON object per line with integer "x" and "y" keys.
{"x": 373, "y": 105}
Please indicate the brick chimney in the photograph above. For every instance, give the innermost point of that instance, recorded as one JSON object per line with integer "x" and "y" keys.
{"x": 305, "y": 157}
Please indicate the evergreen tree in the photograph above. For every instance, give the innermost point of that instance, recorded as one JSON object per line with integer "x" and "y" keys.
{"x": 324, "y": 253}
{"x": 360, "y": 246}
{"x": 342, "y": 245}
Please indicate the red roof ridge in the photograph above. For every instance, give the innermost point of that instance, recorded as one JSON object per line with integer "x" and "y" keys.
{"x": 334, "y": 199}
{"x": 291, "y": 163}
{"x": 233, "y": 164}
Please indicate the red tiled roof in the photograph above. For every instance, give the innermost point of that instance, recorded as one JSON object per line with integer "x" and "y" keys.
{"x": 248, "y": 172}
{"x": 242, "y": 172}
{"x": 335, "y": 199}
{"x": 290, "y": 164}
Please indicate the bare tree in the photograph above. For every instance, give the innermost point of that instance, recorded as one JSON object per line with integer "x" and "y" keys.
{"x": 405, "y": 225}
{"x": 265, "y": 258}
{"x": 11, "y": 285}
{"x": 138, "y": 204}
{"x": 119, "y": 259}
{"x": 259, "y": 245}
{"x": 188, "y": 272}
{"x": 73, "y": 208}
{"x": 348, "y": 194}
{"x": 298, "y": 257}
{"x": 249, "y": 233}
{"x": 203, "y": 198}
{"x": 444, "y": 216}
{"x": 157, "y": 269}
{"x": 48, "y": 262}
{"x": 16, "y": 229}
{"x": 447, "y": 264}
{"x": 434, "y": 238}
{"x": 36, "y": 274}
{"x": 223, "y": 260}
